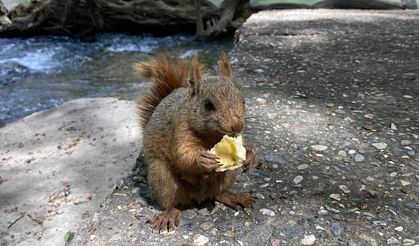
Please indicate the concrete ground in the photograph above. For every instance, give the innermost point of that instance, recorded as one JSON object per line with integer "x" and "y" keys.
{"x": 57, "y": 166}
{"x": 332, "y": 102}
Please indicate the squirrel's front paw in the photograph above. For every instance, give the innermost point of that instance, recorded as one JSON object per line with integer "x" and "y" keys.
{"x": 207, "y": 161}
{"x": 250, "y": 156}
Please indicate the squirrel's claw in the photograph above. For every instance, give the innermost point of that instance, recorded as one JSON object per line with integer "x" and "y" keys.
{"x": 250, "y": 156}
{"x": 208, "y": 161}
{"x": 167, "y": 220}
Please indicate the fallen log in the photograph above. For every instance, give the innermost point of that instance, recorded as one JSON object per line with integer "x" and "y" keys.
{"x": 83, "y": 18}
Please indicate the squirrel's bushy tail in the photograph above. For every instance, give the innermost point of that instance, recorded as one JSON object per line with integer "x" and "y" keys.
{"x": 165, "y": 75}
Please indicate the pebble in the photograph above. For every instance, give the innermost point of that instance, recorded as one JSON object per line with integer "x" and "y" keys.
{"x": 392, "y": 240}
{"x": 408, "y": 241}
{"x": 322, "y": 212}
{"x": 380, "y": 222}
{"x": 405, "y": 142}
{"x": 293, "y": 233}
{"x": 344, "y": 188}
{"x": 259, "y": 70}
{"x": 116, "y": 237}
{"x": 264, "y": 185}
{"x": 260, "y": 100}
{"x": 119, "y": 182}
{"x": 319, "y": 147}
{"x": 302, "y": 167}
{"x": 342, "y": 153}
{"x": 266, "y": 211}
{"x": 399, "y": 228}
{"x": 351, "y": 152}
{"x": 359, "y": 158}
{"x": 370, "y": 179}
{"x": 206, "y": 225}
{"x": 308, "y": 240}
{"x": 275, "y": 158}
{"x": 393, "y": 126}
{"x": 407, "y": 96}
{"x": 369, "y": 239}
{"x": 404, "y": 182}
{"x": 199, "y": 240}
{"x": 380, "y": 145}
{"x": 335, "y": 229}
{"x": 229, "y": 233}
{"x": 298, "y": 179}
{"x": 335, "y": 197}
{"x": 275, "y": 166}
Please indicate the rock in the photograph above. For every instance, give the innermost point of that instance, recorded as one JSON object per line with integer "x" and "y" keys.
{"x": 335, "y": 229}
{"x": 399, "y": 228}
{"x": 319, "y": 147}
{"x": 335, "y": 197}
{"x": 404, "y": 182}
{"x": 259, "y": 70}
{"x": 359, "y": 158}
{"x": 371, "y": 241}
{"x": 206, "y": 225}
{"x": 380, "y": 145}
{"x": 275, "y": 158}
{"x": 302, "y": 167}
{"x": 393, "y": 126}
{"x": 370, "y": 179}
{"x": 298, "y": 179}
{"x": 342, "y": 153}
{"x": 266, "y": 211}
{"x": 351, "y": 152}
{"x": 407, "y": 242}
{"x": 199, "y": 240}
{"x": 308, "y": 240}
{"x": 380, "y": 222}
{"x": 293, "y": 233}
{"x": 322, "y": 212}
{"x": 405, "y": 142}
{"x": 392, "y": 240}
{"x": 344, "y": 188}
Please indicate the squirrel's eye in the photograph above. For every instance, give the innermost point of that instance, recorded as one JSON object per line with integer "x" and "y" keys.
{"x": 209, "y": 105}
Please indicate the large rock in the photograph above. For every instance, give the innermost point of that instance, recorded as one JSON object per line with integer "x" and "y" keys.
{"x": 58, "y": 165}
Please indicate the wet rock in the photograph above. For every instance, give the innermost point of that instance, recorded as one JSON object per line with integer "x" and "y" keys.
{"x": 319, "y": 147}
{"x": 335, "y": 229}
{"x": 380, "y": 145}
{"x": 308, "y": 240}
{"x": 322, "y": 212}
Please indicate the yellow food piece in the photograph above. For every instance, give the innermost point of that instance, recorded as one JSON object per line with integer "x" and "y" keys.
{"x": 230, "y": 152}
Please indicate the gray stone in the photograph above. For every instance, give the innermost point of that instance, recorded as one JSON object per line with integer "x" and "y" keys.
{"x": 371, "y": 241}
{"x": 298, "y": 179}
{"x": 308, "y": 240}
{"x": 380, "y": 145}
{"x": 302, "y": 167}
{"x": 266, "y": 211}
{"x": 335, "y": 229}
{"x": 293, "y": 233}
{"x": 359, "y": 158}
{"x": 319, "y": 147}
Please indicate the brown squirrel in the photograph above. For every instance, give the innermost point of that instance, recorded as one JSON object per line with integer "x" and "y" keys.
{"x": 183, "y": 115}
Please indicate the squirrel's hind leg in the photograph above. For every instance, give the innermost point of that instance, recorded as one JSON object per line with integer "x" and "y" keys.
{"x": 233, "y": 200}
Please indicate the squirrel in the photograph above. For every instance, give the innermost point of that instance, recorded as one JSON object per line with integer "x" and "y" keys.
{"x": 183, "y": 114}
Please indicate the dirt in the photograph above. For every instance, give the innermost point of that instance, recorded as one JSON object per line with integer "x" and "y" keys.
{"x": 332, "y": 108}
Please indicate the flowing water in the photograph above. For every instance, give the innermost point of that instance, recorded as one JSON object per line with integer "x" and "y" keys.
{"x": 41, "y": 72}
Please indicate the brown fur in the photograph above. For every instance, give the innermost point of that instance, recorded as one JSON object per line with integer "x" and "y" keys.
{"x": 165, "y": 76}
{"x": 178, "y": 129}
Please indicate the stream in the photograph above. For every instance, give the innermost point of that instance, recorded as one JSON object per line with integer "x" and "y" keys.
{"x": 42, "y": 72}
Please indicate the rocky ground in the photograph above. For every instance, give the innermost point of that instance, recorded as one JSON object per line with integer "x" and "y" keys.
{"x": 332, "y": 99}
{"x": 57, "y": 166}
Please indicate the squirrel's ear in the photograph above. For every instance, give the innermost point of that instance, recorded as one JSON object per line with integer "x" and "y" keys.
{"x": 224, "y": 67}
{"x": 195, "y": 76}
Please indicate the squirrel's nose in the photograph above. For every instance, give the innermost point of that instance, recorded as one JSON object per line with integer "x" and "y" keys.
{"x": 237, "y": 126}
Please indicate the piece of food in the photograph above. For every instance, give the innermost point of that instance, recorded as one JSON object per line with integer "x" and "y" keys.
{"x": 231, "y": 153}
